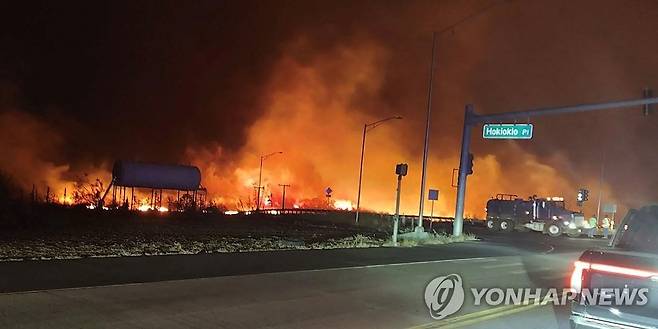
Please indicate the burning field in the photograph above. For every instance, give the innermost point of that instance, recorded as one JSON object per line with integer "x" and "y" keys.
{"x": 75, "y": 99}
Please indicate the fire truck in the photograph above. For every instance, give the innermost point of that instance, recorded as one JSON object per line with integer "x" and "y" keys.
{"x": 508, "y": 212}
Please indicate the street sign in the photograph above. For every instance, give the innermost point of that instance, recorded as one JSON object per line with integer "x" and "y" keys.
{"x": 433, "y": 195}
{"x": 328, "y": 192}
{"x": 610, "y": 208}
{"x": 507, "y": 131}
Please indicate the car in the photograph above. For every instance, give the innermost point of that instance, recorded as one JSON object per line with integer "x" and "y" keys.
{"x": 629, "y": 262}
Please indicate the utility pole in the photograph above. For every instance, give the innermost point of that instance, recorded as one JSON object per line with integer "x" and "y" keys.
{"x": 423, "y": 177}
{"x": 396, "y": 220}
{"x": 598, "y": 206}
{"x": 260, "y": 176}
{"x": 283, "y": 196}
{"x": 471, "y": 119}
{"x": 358, "y": 193}
{"x": 367, "y": 127}
{"x": 451, "y": 28}
{"x": 401, "y": 170}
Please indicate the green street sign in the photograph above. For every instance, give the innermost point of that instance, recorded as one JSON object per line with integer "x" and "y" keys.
{"x": 507, "y": 131}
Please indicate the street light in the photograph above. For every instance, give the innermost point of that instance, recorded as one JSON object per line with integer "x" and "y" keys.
{"x": 260, "y": 176}
{"x": 435, "y": 35}
{"x": 367, "y": 127}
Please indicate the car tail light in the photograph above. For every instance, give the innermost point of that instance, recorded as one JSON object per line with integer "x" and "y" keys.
{"x": 581, "y": 270}
{"x": 622, "y": 270}
{"x": 577, "y": 276}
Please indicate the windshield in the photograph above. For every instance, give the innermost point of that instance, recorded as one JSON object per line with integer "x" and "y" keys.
{"x": 640, "y": 231}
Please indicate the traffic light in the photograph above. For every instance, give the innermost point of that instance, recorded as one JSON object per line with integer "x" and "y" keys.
{"x": 401, "y": 169}
{"x": 469, "y": 164}
{"x": 583, "y": 195}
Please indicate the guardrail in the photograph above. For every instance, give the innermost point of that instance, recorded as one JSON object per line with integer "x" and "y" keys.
{"x": 302, "y": 211}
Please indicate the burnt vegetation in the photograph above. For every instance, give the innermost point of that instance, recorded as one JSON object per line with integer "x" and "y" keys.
{"x": 33, "y": 227}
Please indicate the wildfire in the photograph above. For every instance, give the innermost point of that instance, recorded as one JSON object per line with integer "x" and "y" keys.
{"x": 145, "y": 207}
{"x": 316, "y": 101}
{"x": 343, "y": 205}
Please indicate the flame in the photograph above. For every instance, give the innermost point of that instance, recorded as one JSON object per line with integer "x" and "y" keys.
{"x": 343, "y": 204}
{"x": 314, "y": 110}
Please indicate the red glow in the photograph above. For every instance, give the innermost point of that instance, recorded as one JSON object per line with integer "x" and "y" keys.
{"x": 579, "y": 267}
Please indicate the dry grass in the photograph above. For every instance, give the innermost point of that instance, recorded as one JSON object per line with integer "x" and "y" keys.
{"x": 67, "y": 249}
{"x": 436, "y": 239}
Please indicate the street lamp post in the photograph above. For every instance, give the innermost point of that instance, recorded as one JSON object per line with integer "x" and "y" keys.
{"x": 367, "y": 127}
{"x": 260, "y": 176}
{"x": 435, "y": 35}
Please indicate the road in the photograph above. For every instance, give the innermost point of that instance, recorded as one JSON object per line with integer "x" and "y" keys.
{"x": 355, "y": 288}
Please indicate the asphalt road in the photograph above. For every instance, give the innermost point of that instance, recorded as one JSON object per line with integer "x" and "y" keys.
{"x": 356, "y": 288}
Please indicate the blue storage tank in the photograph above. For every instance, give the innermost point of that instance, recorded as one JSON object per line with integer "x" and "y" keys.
{"x": 156, "y": 176}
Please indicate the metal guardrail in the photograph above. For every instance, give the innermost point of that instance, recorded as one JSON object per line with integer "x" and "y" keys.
{"x": 303, "y": 211}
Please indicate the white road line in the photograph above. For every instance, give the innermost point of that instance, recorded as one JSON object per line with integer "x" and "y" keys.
{"x": 518, "y": 272}
{"x": 478, "y": 259}
{"x": 502, "y": 265}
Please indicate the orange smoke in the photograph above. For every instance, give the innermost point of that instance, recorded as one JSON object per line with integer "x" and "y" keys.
{"x": 314, "y": 114}
{"x": 315, "y": 108}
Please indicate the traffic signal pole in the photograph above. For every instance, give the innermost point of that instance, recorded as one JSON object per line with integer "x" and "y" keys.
{"x": 471, "y": 119}
{"x": 458, "y": 223}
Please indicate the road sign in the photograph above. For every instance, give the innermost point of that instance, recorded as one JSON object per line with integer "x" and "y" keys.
{"x": 433, "y": 195}
{"x": 328, "y": 192}
{"x": 401, "y": 169}
{"x": 507, "y": 131}
{"x": 610, "y": 208}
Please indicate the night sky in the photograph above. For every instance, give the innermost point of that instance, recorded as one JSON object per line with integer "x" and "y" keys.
{"x": 84, "y": 83}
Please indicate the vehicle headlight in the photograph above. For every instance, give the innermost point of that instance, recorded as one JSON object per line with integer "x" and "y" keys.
{"x": 572, "y": 225}
{"x": 566, "y": 222}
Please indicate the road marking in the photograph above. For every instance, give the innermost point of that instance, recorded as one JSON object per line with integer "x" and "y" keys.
{"x": 502, "y": 265}
{"x": 478, "y": 259}
{"x": 475, "y": 259}
{"x": 484, "y": 315}
{"x": 518, "y": 272}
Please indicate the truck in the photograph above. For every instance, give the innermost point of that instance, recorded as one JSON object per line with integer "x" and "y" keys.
{"x": 509, "y": 213}
{"x": 627, "y": 265}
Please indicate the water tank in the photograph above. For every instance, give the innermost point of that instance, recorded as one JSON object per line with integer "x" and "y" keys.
{"x": 157, "y": 176}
